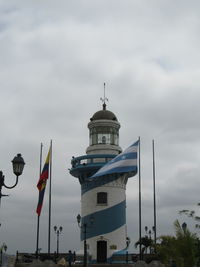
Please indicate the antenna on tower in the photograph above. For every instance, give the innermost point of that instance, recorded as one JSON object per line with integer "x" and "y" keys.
{"x": 104, "y": 99}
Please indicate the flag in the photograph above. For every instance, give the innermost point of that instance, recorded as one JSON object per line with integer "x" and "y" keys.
{"x": 41, "y": 185}
{"x": 125, "y": 162}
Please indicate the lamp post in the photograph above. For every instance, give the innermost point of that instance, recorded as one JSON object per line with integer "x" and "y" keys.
{"x": 18, "y": 166}
{"x": 150, "y": 241}
{"x": 184, "y": 227}
{"x": 146, "y": 236}
{"x": 149, "y": 237}
{"x": 84, "y": 226}
{"x": 58, "y": 232}
{"x": 3, "y": 248}
{"x": 146, "y": 229}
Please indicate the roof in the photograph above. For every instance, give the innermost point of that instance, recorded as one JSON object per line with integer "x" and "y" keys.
{"x": 104, "y": 114}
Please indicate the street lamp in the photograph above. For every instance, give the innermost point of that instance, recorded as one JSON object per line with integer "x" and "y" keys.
{"x": 146, "y": 229}
{"x": 3, "y": 248}
{"x": 184, "y": 227}
{"x": 58, "y": 232}
{"x": 84, "y": 226}
{"x": 149, "y": 237}
{"x": 18, "y": 166}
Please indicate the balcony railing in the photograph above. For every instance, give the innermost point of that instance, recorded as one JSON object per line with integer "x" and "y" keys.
{"x": 89, "y": 163}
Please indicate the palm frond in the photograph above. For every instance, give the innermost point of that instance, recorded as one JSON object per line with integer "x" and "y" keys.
{"x": 197, "y": 218}
{"x": 183, "y": 211}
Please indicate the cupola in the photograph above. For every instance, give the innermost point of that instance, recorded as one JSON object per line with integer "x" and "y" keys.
{"x": 104, "y": 133}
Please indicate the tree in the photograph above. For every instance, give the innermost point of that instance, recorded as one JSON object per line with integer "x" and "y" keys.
{"x": 186, "y": 244}
{"x": 180, "y": 248}
{"x": 192, "y": 214}
{"x": 145, "y": 242}
{"x": 166, "y": 248}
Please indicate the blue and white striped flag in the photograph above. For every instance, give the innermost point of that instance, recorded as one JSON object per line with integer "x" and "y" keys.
{"x": 125, "y": 162}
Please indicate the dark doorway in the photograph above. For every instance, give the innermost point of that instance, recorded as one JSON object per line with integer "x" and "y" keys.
{"x": 101, "y": 251}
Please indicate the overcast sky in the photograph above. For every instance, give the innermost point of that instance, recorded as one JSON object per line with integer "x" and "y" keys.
{"x": 54, "y": 58}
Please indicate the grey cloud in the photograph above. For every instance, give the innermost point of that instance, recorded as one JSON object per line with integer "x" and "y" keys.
{"x": 55, "y": 59}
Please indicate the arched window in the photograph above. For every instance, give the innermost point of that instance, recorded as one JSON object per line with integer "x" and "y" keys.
{"x": 102, "y": 198}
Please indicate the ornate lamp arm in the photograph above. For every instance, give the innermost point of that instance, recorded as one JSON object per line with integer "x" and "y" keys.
{"x": 10, "y": 187}
{"x": 18, "y": 166}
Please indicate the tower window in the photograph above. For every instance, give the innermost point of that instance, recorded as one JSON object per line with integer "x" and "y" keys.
{"x": 104, "y": 135}
{"x": 103, "y": 139}
{"x": 102, "y": 198}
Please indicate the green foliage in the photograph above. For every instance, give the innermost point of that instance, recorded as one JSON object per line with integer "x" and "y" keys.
{"x": 145, "y": 242}
{"x": 166, "y": 248}
{"x": 180, "y": 248}
{"x": 186, "y": 244}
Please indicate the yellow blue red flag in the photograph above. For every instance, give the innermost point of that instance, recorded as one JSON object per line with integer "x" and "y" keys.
{"x": 41, "y": 185}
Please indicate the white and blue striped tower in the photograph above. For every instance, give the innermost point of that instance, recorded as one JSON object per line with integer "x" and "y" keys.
{"x": 103, "y": 199}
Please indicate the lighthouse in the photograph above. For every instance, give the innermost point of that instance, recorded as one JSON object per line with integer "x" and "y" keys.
{"x": 103, "y": 199}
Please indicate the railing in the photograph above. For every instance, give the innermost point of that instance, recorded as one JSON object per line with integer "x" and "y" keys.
{"x": 87, "y": 165}
{"x": 91, "y": 160}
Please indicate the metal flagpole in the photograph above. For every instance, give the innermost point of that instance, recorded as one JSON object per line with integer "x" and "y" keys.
{"x": 154, "y": 192}
{"x": 49, "y": 235}
{"x": 140, "y": 208}
{"x": 38, "y": 217}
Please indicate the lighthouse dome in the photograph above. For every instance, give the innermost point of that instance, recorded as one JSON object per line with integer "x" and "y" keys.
{"x": 104, "y": 133}
{"x": 104, "y": 114}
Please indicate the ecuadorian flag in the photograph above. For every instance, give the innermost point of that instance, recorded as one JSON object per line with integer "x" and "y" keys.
{"x": 41, "y": 185}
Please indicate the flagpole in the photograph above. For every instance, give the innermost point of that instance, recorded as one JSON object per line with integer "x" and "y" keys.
{"x": 140, "y": 208}
{"x": 49, "y": 235}
{"x": 38, "y": 217}
{"x": 154, "y": 192}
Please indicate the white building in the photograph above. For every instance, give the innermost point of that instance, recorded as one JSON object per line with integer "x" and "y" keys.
{"x": 103, "y": 199}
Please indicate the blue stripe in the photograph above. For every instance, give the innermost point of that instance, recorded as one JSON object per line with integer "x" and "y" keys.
{"x": 123, "y": 169}
{"x": 103, "y": 180}
{"x": 87, "y": 186}
{"x": 105, "y": 221}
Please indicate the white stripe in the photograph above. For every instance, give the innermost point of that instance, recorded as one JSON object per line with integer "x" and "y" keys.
{"x": 115, "y": 196}
{"x": 117, "y": 237}
{"x": 120, "y": 163}
{"x": 130, "y": 149}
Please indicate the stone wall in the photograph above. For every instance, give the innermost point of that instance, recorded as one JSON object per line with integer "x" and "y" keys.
{"x": 62, "y": 263}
